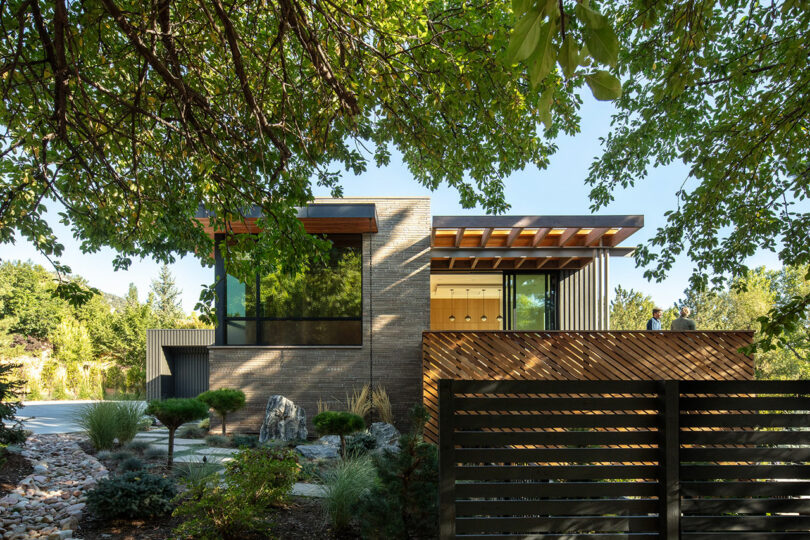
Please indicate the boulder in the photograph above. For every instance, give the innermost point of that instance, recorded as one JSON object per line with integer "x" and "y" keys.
{"x": 386, "y": 435}
{"x": 318, "y": 451}
{"x": 283, "y": 420}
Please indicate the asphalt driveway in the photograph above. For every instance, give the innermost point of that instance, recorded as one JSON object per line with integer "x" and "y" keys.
{"x": 45, "y": 417}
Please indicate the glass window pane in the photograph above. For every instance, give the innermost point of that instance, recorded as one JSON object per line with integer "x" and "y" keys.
{"x": 531, "y": 298}
{"x": 312, "y": 333}
{"x": 241, "y": 298}
{"x": 331, "y": 290}
{"x": 241, "y": 333}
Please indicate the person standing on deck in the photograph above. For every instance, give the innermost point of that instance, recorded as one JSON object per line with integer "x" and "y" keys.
{"x": 655, "y": 322}
{"x": 683, "y": 322}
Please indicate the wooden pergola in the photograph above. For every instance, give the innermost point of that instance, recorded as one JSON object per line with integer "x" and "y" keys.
{"x": 486, "y": 243}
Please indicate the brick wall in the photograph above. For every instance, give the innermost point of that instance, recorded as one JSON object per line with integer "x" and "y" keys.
{"x": 396, "y": 309}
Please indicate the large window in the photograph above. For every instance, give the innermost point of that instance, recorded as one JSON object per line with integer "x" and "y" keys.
{"x": 530, "y": 301}
{"x": 318, "y": 306}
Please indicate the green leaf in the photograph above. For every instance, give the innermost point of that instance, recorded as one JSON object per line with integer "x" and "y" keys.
{"x": 604, "y": 86}
{"x": 603, "y": 45}
{"x": 592, "y": 19}
{"x": 568, "y": 56}
{"x": 519, "y": 7}
{"x": 542, "y": 60}
{"x": 525, "y": 37}
{"x": 544, "y": 106}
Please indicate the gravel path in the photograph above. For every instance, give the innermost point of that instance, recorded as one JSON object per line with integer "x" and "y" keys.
{"x": 49, "y": 502}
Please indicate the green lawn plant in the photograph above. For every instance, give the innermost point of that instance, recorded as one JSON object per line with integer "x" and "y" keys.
{"x": 175, "y": 412}
{"x": 256, "y": 480}
{"x": 340, "y": 423}
{"x": 345, "y": 484}
{"x": 106, "y": 422}
{"x": 129, "y": 415}
{"x": 224, "y": 401}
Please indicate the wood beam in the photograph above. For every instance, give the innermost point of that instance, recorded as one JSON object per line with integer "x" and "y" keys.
{"x": 519, "y": 262}
{"x": 475, "y": 262}
{"x": 513, "y": 234}
{"x": 534, "y": 222}
{"x": 572, "y": 251}
{"x": 565, "y": 262}
{"x": 541, "y": 262}
{"x": 566, "y": 236}
{"x": 617, "y": 238}
{"x": 459, "y": 236}
{"x": 540, "y": 235}
{"x": 485, "y": 236}
{"x": 593, "y": 237}
{"x": 497, "y": 262}
{"x": 452, "y": 262}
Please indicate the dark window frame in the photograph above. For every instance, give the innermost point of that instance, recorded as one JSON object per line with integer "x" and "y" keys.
{"x": 510, "y": 297}
{"x": 221, "y": 335}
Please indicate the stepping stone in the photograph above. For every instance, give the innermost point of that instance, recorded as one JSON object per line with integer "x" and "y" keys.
{"x": 189, "y": 442}
{"x": 308, "y": 490}
{"x": 219, "y": 451}
{"x": 194, "y": 458}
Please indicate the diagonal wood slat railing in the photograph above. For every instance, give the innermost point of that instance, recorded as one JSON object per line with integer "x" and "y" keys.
{"x": 592, "y": 355}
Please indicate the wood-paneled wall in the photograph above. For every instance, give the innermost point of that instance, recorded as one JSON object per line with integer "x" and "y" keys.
{"x": 442, "y": 308}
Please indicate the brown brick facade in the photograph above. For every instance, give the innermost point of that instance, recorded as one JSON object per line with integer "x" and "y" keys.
{"x": 396, "y": 309}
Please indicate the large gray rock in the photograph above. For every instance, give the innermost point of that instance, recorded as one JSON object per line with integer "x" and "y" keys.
{"x": 318, "y": 451}
{"x": 386, "y": 435}
{"x": 283, "y": 420}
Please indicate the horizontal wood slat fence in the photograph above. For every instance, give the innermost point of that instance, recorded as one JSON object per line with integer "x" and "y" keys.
{"x": 593, "y": 355}
{"x": 624, "y": 459}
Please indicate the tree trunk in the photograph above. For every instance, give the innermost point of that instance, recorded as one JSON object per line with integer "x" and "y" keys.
{"x": 223, "y": 425}
{"x": 342, "y": 447}
{"x": 170, "y": 460}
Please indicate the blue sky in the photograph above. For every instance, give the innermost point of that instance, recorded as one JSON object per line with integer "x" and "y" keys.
{"x": 560, "y": 189}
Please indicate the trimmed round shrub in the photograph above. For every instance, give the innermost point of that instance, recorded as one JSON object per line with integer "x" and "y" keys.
{"x": 154, "y": 452}
{"x": 132, "y": 495}
{"x": 340, "y": 423}
{"x": 121, "y": 455}
{"x": 175, "y": 412}
{"x": 219, "y": 441}
{"x": 223, "y": 401}
{"x": 243, "y": 440}
{"x": 138, "y": 446}
{"x": 132, "y": 464}
{"x": 359, "y": 444}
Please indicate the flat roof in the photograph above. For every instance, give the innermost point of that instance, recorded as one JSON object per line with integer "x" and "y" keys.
{"x": 317, "y": 218}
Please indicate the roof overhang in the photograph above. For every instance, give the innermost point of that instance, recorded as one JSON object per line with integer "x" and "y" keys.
{"x": 317, "y": 218}
{"x": 481, "y": 243}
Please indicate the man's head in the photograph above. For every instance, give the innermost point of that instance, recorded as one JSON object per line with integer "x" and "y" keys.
{"x": 657, "y": 313}
{"x": 685, "y": 311}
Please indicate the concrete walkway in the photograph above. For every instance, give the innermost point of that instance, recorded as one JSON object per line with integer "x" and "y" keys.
{"x": 50, "y": 417}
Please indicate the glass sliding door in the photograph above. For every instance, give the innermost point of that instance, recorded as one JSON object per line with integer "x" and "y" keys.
{"x": 530, "y": 301}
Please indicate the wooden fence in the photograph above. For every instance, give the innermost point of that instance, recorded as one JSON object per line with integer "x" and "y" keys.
{"x": 624, "y": 459}
{"x": 560, "y": 355}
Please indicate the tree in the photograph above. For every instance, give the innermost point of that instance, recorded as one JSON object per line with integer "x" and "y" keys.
{"x": 132, "y": 114}
{"x": 224, "y": 401}
{"x": 166, "y": 307}
{"x": 340, "y": 423}
{"x": 724, "y": 88}
{"x": 26, "y": 294}
{"x": 10, "y": 392}
{"x": 175, "y": 412}
{"x": 630, "y": 310}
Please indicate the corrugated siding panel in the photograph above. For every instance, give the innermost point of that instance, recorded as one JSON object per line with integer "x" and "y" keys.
{"x": 158, "y": 371}
{"x": 583, "y": 296}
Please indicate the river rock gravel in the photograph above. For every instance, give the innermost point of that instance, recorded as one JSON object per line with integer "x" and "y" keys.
{"x": 49, "y": 503}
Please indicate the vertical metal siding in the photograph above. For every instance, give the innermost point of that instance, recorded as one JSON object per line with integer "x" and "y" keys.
{"x": 189, "y": 366}
{"x": 583, "y": 295}
{"x": 159, "y": 378}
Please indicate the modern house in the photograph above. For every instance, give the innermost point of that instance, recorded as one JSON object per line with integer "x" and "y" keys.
{"x": 395, "y": 274}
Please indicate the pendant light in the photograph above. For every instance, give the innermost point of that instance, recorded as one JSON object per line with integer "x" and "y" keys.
{"x": 468, "y": 318}
{"x": 499, "y": 318}
{"x": 452, "y": 317}
{"x": 483, "y": 311}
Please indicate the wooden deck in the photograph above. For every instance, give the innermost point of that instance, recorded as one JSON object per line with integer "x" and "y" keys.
{"x": 560, "y": 355}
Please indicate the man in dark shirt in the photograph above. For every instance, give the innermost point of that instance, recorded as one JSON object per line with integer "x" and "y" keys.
{"x": 683, "y": 322}
{"x": 655, "y": 322}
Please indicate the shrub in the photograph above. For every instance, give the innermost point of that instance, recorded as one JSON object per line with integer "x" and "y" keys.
{"x": 255, "y": 480}
{"x": 195, "y": 473}
{"x": 191, "y": 432}
{"x": 219, "y": 441}
{"x": 121, "y": 455}
{"x": 359, "y": 444}
{"x": 382, "y": 404}
{"x": 224, "y": 401}
{"x": 129, "y": 415}
{"x": 406, "y": 502}
{"x": 175, "y": 412}
{"x": 132, "y": 464}
{"x": 103, "y": 454}
{"x": 243, "y": 440}
{"x": 154, "y": 452}
{"x": 132, "y": 495}
{"x": 138, "y": 446}
{"x": 11, "y": 430}
{"x": 100, "y": 422}
{"x": 359, "y": 402}
{"x": 345, "y": 484}
{"x": 205, "y": 424}
{"x": 338, "y": 423}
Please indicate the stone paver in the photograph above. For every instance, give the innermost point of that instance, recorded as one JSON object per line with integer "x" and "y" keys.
{"x": 308, "y": 490}
{"x": 49, "y": 503}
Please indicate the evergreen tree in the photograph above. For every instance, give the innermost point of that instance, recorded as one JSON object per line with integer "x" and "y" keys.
{"x": 166, "y": 298}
